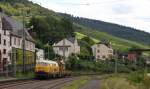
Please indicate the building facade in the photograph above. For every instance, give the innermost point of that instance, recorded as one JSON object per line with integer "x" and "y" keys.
{"x": 40, "y": 55}
{"x": 102, "y": 51}
{"x": 132, "y": 56}
{"x": 4, "y": 46}
{"x": 11, "y": 43}
{"x": 66, "y": 47}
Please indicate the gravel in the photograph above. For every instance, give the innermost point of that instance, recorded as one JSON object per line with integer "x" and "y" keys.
{"x": 93, "y": 84}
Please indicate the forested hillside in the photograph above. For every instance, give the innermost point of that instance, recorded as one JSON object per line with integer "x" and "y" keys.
{"x": 113, "y": 29}
{"x": 47, "y": 27}
{"x": 117, "y": 43}
{"x": 50, "y": 27}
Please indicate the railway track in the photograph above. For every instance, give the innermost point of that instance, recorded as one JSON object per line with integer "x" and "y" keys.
{"x": 57, "y": 85}
{"x": 36, "y": 84}
{"x": 39, "y": 84}
{"x": 54, "y": 83}
{"x": 16, "y": 83}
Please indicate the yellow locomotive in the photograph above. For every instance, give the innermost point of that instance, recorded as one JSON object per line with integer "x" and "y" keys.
{"x": 50, "y": 69}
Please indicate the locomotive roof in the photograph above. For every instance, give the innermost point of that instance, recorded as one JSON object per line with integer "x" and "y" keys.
{"x": 48, "y": 61}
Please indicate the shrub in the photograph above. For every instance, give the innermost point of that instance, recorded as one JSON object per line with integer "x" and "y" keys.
{"x": 146, "y": 82}
{"x": 137, "y": 77}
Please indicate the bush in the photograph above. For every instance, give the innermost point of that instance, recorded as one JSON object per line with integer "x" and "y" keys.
{"x": 137, "y": 77}
{"x": 116, "y": 83}
{"x": 146, "y": 82}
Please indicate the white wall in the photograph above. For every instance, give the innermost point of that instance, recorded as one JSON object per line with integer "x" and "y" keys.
{"x": 40, "y": 54}
{"x": 104, "y": 51}
{"x": 6, "y": 46}
{"x": 72, "y": 48}
{"x": 17, "y": 43}
{"x": 29, "y": 45}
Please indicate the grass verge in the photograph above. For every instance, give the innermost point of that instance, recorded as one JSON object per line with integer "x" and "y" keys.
{"x": 117, "y": 82}
{"x": 76, "y": 84}
{"x": 24, "y": 76}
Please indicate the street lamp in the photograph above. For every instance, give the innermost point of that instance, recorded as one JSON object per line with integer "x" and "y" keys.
{"x": 116, "y": 62}
{"x": 48, "y": 50}
{"x": 23, "y": 43}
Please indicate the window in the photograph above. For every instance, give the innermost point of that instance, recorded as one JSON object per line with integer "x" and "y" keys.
{"x": 27, "y": 44}
{"x": 4, "y": 42}
{"x": 18, "y": 41}
{"x": 110, "y": 51}
{"x": 14, "y": 41}
{"x": 0, "y": 38}
{"x": 98, "y": 56}
{"x": 110, "y": 56}
{"x": 63, "y": 48}
{"x": 60, "y": 48}
{"x": 4, "y": 32}
{"x": 10, "y": 40}
{"x": 98, "y": 51}
{"x": 66, "y": 49}
{"x": 0, "y": 57}
{"x": 104, "y": 56}
{"x": 31, "y": 46}
{"x": 4, "y": 51}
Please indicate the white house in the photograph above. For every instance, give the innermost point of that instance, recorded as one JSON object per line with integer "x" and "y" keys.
{"x": 11, "y": 38}
{"x": 102, "y": 51}
{"x": 67, "y": 47}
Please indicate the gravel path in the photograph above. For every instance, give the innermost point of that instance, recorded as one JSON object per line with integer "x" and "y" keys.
{"x": 93, "y": 84}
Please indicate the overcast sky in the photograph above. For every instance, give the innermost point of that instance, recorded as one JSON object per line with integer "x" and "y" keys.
{"x": 133, "y": 13}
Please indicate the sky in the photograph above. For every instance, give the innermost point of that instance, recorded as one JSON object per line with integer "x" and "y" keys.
{"x": 132, "y": 13}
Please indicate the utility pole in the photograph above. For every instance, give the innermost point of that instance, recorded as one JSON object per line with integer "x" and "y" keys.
{"x": 23, "y": 44}
{"x": 14, "y": 61}
{"x": 64, "y": 50}
{"x": 116, "y": 63}
{"x": 48, "y": 50}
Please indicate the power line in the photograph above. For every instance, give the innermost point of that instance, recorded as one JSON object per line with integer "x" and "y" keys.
{"x": 90, "y": 3}
{"x": 75, "y": 4}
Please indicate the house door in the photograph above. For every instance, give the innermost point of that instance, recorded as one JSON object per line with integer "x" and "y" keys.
{"x": 0, "y": 61}
{"x": 4, "y": 64}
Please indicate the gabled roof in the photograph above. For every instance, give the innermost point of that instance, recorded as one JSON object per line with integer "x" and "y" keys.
{"x": 10, "y": 24}
{"x": 14, "y": 26}
{"x": 71, "y": 39}
{"x": 5, "y": 24}
{"x": 107, "y": 44}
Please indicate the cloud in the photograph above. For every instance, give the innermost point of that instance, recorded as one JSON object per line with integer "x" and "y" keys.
{"x": 133, "y": 13}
